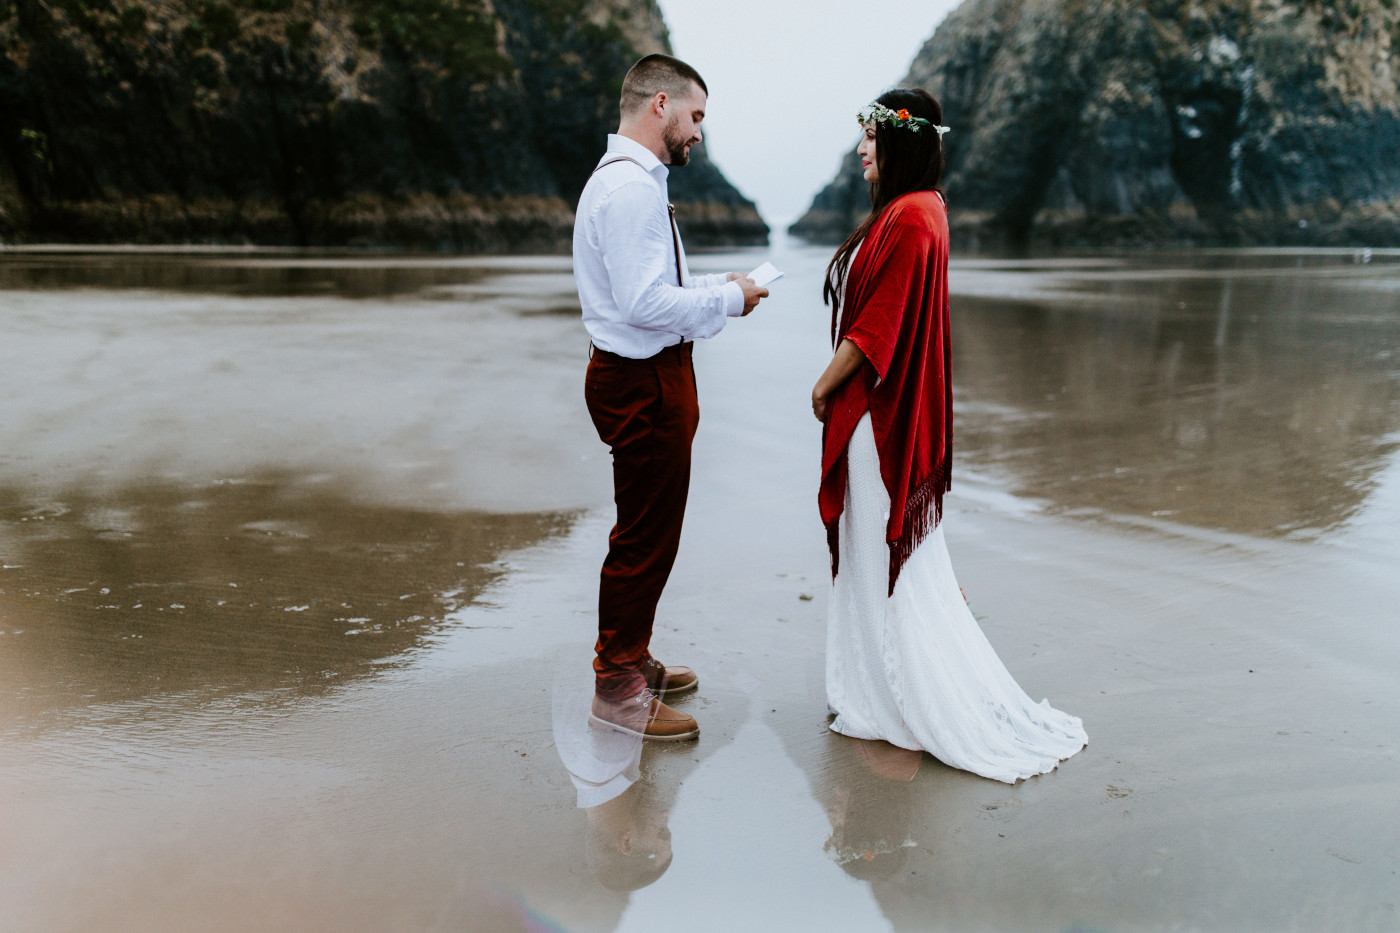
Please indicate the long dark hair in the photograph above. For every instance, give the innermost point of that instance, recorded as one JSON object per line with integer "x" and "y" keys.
{"x": 906, "y": 161}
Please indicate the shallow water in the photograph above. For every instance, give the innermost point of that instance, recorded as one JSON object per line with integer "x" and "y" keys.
{"x": 299, "y": 564}
{"x": 1249, "y": 392}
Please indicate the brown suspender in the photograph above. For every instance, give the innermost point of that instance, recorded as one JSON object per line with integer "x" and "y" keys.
{"x": 670, "y": 209}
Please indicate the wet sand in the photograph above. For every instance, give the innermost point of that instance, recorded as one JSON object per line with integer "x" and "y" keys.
{"x": 299, "y": 552}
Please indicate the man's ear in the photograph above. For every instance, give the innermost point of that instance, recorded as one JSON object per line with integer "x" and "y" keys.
{"x": 659, "y": 102}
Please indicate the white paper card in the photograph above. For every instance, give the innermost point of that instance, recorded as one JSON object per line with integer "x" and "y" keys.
{"x": 764, "y": 274}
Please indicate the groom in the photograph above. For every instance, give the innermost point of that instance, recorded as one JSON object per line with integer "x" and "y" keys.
{"x": 642, "y": 309}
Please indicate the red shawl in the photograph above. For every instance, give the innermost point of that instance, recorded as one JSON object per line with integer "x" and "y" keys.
{"x": 896, "y": 311}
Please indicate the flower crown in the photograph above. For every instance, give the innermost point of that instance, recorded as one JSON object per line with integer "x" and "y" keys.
{"x": 879, "y": 113}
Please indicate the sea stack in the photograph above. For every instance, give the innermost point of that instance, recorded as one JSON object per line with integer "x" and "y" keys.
{"x": 426, "y": 124}
{"x": 1131, "y": 122}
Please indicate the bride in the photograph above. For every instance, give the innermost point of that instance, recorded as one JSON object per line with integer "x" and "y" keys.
{"x": 906, "y": 660}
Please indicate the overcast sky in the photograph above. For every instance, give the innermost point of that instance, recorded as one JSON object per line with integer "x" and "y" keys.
{"x": 786, "y": 78}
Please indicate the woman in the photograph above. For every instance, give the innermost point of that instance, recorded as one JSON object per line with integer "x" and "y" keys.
{"x": 906, "y": 660}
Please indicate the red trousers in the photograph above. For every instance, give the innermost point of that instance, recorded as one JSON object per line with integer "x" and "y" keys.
{"x": 646, "y": 412}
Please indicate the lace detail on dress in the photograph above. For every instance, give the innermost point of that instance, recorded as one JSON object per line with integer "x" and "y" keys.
{"x": 914, "y": 668}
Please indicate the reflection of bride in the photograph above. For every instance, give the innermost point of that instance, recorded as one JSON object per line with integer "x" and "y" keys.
{"x": 869, "y": 808}
{"x": 906, "y": 660}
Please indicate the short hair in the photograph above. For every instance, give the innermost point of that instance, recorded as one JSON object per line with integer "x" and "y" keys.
{"x": 656, "y": 74}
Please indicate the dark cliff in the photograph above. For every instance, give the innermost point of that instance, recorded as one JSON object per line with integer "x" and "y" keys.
{"x": 438, "y": 124}
{"x": 1124, "y": 121}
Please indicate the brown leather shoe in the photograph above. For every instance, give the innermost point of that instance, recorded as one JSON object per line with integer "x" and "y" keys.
{"x": 644, "y": 715}
{"x": 668, "y": 681}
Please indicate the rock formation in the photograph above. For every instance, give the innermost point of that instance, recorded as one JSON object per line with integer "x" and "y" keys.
{"x": 462, "y": 124}
{"x": 1149, "y": 121}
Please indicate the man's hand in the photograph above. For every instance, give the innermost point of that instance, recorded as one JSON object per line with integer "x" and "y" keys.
{"x": 752, "y": 292}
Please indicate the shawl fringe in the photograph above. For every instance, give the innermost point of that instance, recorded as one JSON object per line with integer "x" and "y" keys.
{"x": 922, "y": 513}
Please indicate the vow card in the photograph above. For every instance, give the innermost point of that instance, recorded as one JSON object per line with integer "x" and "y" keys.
{"x": 764, "y": 274}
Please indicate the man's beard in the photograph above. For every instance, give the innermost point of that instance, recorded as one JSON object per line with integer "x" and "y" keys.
{"x": 676, "y": 143}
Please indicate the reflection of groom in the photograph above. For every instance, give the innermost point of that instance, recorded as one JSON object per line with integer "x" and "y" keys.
{"x": 642, "y": 309}
{"x": 629, "y": 842}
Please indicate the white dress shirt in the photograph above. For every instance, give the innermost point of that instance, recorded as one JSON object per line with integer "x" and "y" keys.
{"x": 625, "y": 263}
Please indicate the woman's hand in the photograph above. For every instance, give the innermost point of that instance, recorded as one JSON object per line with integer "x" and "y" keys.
{"x": 844, "y": 363}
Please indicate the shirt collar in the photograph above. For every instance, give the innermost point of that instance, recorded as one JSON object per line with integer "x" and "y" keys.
{"x": 630, "y": 147}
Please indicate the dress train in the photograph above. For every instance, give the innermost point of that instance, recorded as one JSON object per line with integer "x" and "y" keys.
{"x": 914, "y": 668}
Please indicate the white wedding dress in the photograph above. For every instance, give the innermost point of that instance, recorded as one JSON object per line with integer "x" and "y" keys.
{"x": 914, "y": 668}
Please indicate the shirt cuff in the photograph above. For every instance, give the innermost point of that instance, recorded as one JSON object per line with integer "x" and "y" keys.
{"x": 733, "y": 299}
{"x": 714, "y": 280}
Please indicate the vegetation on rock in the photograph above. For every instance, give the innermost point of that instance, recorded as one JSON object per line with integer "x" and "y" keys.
{"x": 426, "y": 123}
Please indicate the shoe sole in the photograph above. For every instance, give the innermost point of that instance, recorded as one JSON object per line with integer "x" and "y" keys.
{"x": 677, "y": 691}
{"x": 598, "y": 721}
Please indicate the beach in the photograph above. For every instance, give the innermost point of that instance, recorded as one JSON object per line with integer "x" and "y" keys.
{"x": 300, "y": 557}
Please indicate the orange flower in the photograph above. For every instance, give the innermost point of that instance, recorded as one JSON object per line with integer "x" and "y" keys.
{"x": 902, "y": 114}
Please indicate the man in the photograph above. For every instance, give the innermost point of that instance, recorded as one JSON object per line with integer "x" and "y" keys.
{"x": 642, "y": 309}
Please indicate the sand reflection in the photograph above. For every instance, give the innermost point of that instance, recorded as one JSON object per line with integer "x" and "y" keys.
{"x": 261, "y": 585}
